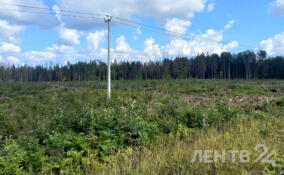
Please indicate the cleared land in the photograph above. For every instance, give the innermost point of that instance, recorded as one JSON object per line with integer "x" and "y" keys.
{"x": 150, "y": 127}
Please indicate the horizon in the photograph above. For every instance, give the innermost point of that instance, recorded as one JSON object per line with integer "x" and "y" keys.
{"x": 48, "y": 64}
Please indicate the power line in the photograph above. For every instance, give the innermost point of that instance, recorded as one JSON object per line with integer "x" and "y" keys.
{"x": 44, "y": 13}
{"x": 92, "y": 15}
{"x": 148, "y": 26}
{"x": 151, "y": 30}
{"x": 49, "y": 9}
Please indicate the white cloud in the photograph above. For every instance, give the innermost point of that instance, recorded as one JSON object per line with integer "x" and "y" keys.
{"x": 37, "y": 57}
{"x": 209, "y": 42}
{"x": 177, "y": 25}
{"x": 94, "y": 39}
{"x": 231, "y": 45}
{"x": 123, "y": 51}
{"x": 229, "y": 24}
{"x": 9, "y": 33}
{"x": 13, "y": 60}
{"x": 151, "y": 51}
{"x": 160, "y": 9}
{"x": 274, "y": 45}
{"x": 1, "y": 58}
{"x": 54, "y": 54}
{"x": 277, "y": 8}
{"x": 61, "y": 49}
{"x": 210, "y": 7}
{"x": 19, "y": 15}
{"x": 122, "y": 45}
{"x": 69, "y": 36}
{"x": 9, "y": 48}
{"x": 137, "y": 33}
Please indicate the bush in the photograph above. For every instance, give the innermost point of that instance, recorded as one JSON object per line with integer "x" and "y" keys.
{"x": 12, "y": 158}
{"x": 66, "y": 141}
{"x": 121, "y": 127}
{"x": 34, "y": 153}
{"x": 168, "y": 117}
{"x": 228, "y": 113}
{"x": 275, "y": 107}
{"x": 194, "y": 118}
{"x": 6, "y": 127}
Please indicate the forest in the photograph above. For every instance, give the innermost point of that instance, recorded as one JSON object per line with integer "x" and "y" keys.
{"x": 244, "y": 65}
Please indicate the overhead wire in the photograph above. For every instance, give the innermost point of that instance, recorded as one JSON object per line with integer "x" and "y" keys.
{"x": 43, "y": 13}
{"x": 50, "y": 9}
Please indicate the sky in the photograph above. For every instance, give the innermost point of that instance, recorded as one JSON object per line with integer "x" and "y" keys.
{"x": 31, "y": 34}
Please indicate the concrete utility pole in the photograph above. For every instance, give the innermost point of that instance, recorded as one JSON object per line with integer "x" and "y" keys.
{"x": 108, "y": 20}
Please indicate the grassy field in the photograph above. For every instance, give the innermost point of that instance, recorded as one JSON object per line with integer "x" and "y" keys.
{"x": 150, "y": 127}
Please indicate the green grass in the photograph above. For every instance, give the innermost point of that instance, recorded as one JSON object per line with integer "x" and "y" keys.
{"x": 150, "y": 127}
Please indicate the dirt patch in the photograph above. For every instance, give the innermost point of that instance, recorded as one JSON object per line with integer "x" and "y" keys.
{"x": 244, "y": 100}
{"x": 247, "y": 101}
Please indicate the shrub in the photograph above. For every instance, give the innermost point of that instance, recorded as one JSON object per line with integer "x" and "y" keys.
{"x": 121, "y": 127}
{"x": 12, "y": 158}
{"x": 69, "y": 140}
{"x": 275, "y": 107}
{"x": 34, "y": 153}
{"x": 194, "y": 118}
{"x": 228, "y": 113}
{"x": 6, "y": 127}
{"x": 168, "y": 117}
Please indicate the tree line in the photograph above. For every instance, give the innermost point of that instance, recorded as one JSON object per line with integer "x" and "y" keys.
{"x": 244, "y": 65}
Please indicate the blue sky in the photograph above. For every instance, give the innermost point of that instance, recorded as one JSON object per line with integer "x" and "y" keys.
{"x": 209, "y": 26}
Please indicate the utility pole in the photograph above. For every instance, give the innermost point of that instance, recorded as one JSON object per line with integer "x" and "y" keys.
{"x": 108, "y": 20}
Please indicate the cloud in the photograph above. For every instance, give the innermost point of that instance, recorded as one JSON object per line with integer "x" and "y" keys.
{"x": 19, "y": 14}
{"x": 69, "y": 36}
{"x": 160, "y": 9}
{"x": 210, "y": 7}
{"x": 151, "y": 51}
{"x": 276, "y": 8}
{"x": 39, "y": 57}
{"x": 13, "y": 60}
{"x": 55, "y": 54}
{"x": 58, "y": 53}
{"x": 122, "y": 45}
{"x": 123, "y": 51}
{"x": 209, "y": 42}
{"x": 94, "y": 39}
{"x": 8, "y": 48}
{"x": 9, "y": 33}
{"x": 61, "y": 49}
{"x": 274, "y": 45}
{"x": 137, "y": 33}
{"x": 1, "y": 58}
{"x": 177, "y": 25}
{"x": 229, "y": 24}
